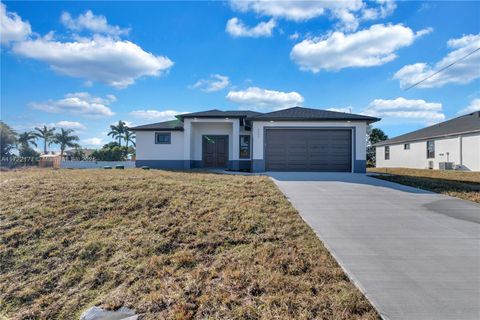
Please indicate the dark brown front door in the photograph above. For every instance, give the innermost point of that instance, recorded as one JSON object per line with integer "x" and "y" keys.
{"x": 215, "y": 151}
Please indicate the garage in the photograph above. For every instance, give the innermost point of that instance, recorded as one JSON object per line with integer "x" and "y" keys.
{"x": 328, "y": 150}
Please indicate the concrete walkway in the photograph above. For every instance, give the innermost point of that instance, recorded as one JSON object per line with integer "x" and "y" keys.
{"x": 415, "y": 254}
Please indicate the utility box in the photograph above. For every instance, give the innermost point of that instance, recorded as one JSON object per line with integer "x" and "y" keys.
{"x": 445, "y": 165}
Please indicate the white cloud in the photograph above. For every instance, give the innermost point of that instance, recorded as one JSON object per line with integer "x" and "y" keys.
{"x": 401, "y": 110}
{"x": 70, "y": 125}
{"x": 236, "y": 28}
{"x": 91, "y": 22}
{"x": 262, "y": 98}
{"x": 12, "y": 27}
{"x": 385, "y": 8}
{"x": 294, "y": 36}
{"x": 472, "y": 107}
{"x": 103, "y": 59}
{"x": 93, "y": 142}
{"x": 341, "y": 109}
{"x": 156, "y": 115}
{"x": 81, "y": 103}
{"x": 214, "y": 83}
{"x": 463, "y": 72}
{"x": 366, "y": 48}
{"x": 348, "y": 12}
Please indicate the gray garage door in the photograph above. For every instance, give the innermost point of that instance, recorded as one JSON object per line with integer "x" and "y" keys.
{"x": 308, "y": 150}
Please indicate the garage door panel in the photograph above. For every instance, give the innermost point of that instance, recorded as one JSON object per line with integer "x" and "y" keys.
{"x": 308, "y": 150}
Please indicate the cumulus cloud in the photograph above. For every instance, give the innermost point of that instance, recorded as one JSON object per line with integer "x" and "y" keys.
{"x": 463, "y": 72}
{"x": 215, "y": 82}
{"x": 80, "y": 103}
{"x": 401, "y": 110}
{"x": 262, "y": 98}
{"x": 95, "y": 142}
{"x": 341, "y": 109}
{"x": 157, "y": 115}
{"x": 472, "y": 107}
{"x": 70, "y": 125}
{"x": 348, "y": 12}
{"x": 103, "y": 59}
{"x": 91, "y": 22}
{"x": 12, "y": 27}
{"x": 366, "y": 48}
{"x": 236, "y": 28}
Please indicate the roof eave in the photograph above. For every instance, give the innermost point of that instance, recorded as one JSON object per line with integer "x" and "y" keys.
{"x": 372, "y": 120}
{"x": 157, "y": 129}
{"x": 389, "y": 142}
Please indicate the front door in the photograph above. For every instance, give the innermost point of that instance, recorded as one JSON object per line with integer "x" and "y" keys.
{"x": 215, "y": 151}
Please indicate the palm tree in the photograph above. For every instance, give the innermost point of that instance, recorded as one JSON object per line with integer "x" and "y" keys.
{"x": 47, "y": 135}
{"x": 128, "y": 137}
{"x": 64, "y": 139}
{"x": 118, "y": 131}
{"x": 8, "y": 139}
{"x": 26, "y": 139}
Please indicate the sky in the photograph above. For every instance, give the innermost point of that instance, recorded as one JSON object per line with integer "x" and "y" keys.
{"x": 86, "y": 65}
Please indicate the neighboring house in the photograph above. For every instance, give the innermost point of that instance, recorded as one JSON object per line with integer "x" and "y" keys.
{"x": 295, "y": 139}
{"x": 453, "y": 144}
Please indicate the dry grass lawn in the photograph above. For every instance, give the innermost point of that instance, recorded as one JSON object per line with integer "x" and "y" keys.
{"x": 170, "y": 245}
{"x": 460, "y": 184}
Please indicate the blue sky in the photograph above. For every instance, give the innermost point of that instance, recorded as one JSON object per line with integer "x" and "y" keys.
{"x": 86, "y": 65}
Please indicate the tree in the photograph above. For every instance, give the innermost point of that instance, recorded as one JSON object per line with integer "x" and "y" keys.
{"x": 375, "y": 135}
{"x": 65, "y": 139}
{"x": 110, "y": 152}
{"x": 8, "y": 139}
{"x": 118, "y": 131}
{"x": 26, "y": 139}
{"x": 129, "y": 136}
{"x": 47, "y": 135}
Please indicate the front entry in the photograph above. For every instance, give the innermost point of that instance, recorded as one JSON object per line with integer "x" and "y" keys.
{"x": 215, "y": 151}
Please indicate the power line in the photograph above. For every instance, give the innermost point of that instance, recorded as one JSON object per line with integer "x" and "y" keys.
{"x": 446, "y": 67}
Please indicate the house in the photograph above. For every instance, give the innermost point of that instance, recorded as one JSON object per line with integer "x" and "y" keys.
{"x": 453, "y": 144}
{"x": 295, "y": 139}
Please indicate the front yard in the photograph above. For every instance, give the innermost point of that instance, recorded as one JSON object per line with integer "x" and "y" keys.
{"x": 460, "y": 184}
{"x": 168, "y": 244}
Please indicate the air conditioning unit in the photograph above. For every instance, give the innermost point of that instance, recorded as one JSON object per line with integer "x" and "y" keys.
{"x": 445, "y": 165}
{"x": 430, "y": 164}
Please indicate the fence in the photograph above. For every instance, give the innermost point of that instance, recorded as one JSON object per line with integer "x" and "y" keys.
{"x": 74, "y": 164}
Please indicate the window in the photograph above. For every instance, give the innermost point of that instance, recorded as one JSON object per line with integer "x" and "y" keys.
{"x": 244, "y": 147}
{"x": 430, "y": 149}
{"x": 387, "y": 153}
{"x": 162, "y": 137}
{"x": 406, "y": 146}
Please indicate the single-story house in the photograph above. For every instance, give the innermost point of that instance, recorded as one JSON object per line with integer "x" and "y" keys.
{"x": 294, "y": 139}
{"x": 453, "y": 144}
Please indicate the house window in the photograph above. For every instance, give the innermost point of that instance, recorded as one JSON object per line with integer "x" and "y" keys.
{"x": 163, "y": 137}
{"x": 387, "y": 153}
{"x": 406, "y": 146}
{"x": 430, "y": 149}
{"x": 244, "y": 147}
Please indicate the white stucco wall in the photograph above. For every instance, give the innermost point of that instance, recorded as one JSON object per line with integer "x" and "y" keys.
{"x": 471, "y": 152}
{"x": 446, "y": 150}
{"x": 148, "y": 150}
{"x": 258, "y": 131}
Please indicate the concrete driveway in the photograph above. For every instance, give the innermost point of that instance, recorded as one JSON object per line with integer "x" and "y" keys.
{"x": 415, "y": 254}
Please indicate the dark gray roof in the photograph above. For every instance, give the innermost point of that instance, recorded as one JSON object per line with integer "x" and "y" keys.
{"x": 172, "y": 125}
{"x": 219, "y": 114}
{"x": 467, "y": 123}
{"x": 308, "y": 114}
